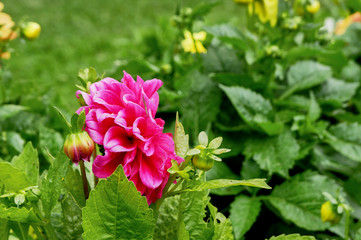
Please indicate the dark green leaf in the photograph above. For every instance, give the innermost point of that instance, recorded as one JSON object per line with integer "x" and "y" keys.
{"x": 51, "y": 142}
{"x": 19, "y": 214}
{"x": 9, "y": 110}
{"x": 4, "y": 228}
{"x": 72, "y": 218}
{"x": 74, "y": 185}
{"x": 167, "y": 224}
{"x": 116, "y": 210}
{"x": 228, "y": 34}
{"x": 292, "y": 237}
{"x": 243, "y": 213}
{"x": 336, "y": 91}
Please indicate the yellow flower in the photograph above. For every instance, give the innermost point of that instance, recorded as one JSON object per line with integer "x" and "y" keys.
{"x": 192, "y": 42}
{"x": 1, "y": 6}
{"x": 31, "y": 30}
{"x": 313, "y": 7}
{"x": 243, "y": 1}
{"x": 328, "y": 213}
{"x": 342, "y": 25}
{"x": 266, "y": 10}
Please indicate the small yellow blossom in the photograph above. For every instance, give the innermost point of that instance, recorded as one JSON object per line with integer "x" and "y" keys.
{"x": 1, "y": 6}
{"x": 328, "y": 213}
{"x": 313, "y": 7}
{"x": 342, "y": 25}
{"x": 266, "y": 10}
{"x": 31, "y": 30}
{"x": 192, "y": 42}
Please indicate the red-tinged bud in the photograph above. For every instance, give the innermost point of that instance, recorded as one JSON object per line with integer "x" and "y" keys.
{"x": 78, "y": 147}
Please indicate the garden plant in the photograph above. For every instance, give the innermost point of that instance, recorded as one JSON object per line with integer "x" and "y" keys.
{"x": 244, "y": 129}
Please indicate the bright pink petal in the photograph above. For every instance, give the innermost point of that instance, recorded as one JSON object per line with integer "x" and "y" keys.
{"x": 117, "y": 139}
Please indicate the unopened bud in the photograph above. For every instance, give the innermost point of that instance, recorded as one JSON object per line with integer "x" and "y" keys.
{"x": 329, "y": 213}
{"x": 31, "y": 30}
{"x": 78, "y": 146}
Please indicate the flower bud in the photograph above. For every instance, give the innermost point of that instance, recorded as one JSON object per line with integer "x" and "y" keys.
{"x": 313, "y": 7}
{"x": 78, "y": 146}
{"x": 329, "y": 213}
{"x": 31, "y": 30}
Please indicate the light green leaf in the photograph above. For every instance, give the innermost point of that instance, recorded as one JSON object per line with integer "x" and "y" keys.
{"x": 51, "y": 186}
{"x": 215, "y": 143}
{"x": 51, "y": 142}
{"x": 167, "y": 223}
{"x": 221, "y": 170}
{"x": 221, "y": 59}
{"x": 116, "y": 210}
{"x": 9, "y": 110}
{"x": 243, "y": 213}
{"x": 13, "y": 179}
{"x": 229, "y": 34}
{"x": 299, "y": 200}
{"x": 304, "y": 75}
{"x": 72, "y": 218}
{"x": 336, "y": 91}
{"x": 273, "y": 154}
{"x": 19, "y": 214}
{"x": 314, "y": 111}
{"x": 74, "y": 185}
{"x": 358, "y": 235}
{"x": 219, "y": 183}
{"x": 15, "y": 140}
{"x": 292, "y": 237}
{"x": 181, "y": 140}
{"x": 28, "y": 163}
{"x": 223, "y": 229}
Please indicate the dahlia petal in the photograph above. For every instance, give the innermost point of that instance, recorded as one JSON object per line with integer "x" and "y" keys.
{"x": 104, "y": 166}
{"x": 150, "y": 87}
{"x": 151, "y": 169}
{"x": 117, "y": 139}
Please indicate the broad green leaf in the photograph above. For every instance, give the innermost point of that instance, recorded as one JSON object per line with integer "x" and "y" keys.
{"x": 223, "y": 229}
{"x": 221, "y": 170}
{"x": 295, "y": 236}
{"x": 219, "y": 183}
{"x": 4, "y": 228}
{"x": 335, "y": 91}
{"x": 19, "y": 214}
{"x": 299, "y": 200}
{"x": 167, "y": 224}
{"x": 358, "y": 234}
{"x": 221, "y": 59}
{"x": 15, "y": 140}
{"x": 243, "y": 213}
{"x": 314, "y": 112}
{"x": 20, "y": 229}
{"x": 229, "y": 34}
{"x": 116, "y": 210}
{"x": 352, "y": 71}
{"x": 350, "y": 132}
{"x": 192, "y": 206}
{"x": 72, "y": 218}
{"x": 201, "y": 104}
{"x": 51, "y": 186}
{"x": 252, "y": 108}
{"x": 9, "y": 110}
{"x": 51, "y": 142}
{"x": 74, "y": 185}
{"x": 13, "y": 179}
{"x": 273, "y": 154}
{"x": 28, "y": 163}
{"x": 181, "y": 140}
{"x": 304, "y": 75}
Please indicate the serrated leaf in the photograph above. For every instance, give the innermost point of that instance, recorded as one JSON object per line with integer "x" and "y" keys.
{"x": 220, "y": 183}
{"x": 243, "y": 213}
{"x": 223, "y": 230}
{"x": 28, "y": 163}
{"x": 273, "y": 154}
{"x": 167, "y": 223}
{"x": 51, "y": 186}
{"x": 72, "y": 218}
{"x": 304, "y": 75}
{"x": 12, "y": 178}
{"x": 74, "y": 185}
{"x": 116, "y": 210}
{"x": 299, "y": 200}
{"x": 181, "y": 140}
{"x": 292, "y": 237}
{"x": 19, "y": 214}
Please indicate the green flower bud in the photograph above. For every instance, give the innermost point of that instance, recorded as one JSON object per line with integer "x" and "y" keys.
{"x": 329, "y": 213}
{"x": 78, "y": 146}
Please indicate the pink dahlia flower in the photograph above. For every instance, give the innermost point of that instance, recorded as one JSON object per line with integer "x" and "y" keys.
{"x": 121, "y": 117}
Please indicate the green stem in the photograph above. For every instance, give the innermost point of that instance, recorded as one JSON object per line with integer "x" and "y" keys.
{"x": 37, "y": 232}
{"x": 85, "y": 181}
{"x": 347, "y": 223}
{"x": 176, "y": 185}
{"x": 21, "y": 231}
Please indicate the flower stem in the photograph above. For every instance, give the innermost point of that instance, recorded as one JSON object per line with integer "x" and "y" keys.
{"x": 347, "y": 223}
{"x": 85, "y": 181}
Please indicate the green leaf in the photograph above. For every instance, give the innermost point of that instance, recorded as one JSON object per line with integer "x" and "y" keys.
{"x": 295, "y": 236}
{"x": 273, "y": 154}
{"x": 51, "y": 142}
{"x": 304, "y": 75}
{"x": 20, "y": 229}
{"x": 51, "y": 186}
{"x": 19, "y": 214}
{"x": 221, "y": 170}
{"x": 72, "y": 218}
{"x": 350, "y": 132}
{"x": 116, "y": 210}
{"x": 299, "y": 200}
{"x": 28, "y": 163}
{"x": 74, "y": 185}
{"x": 181, "y": 140}
{"x": 252, "y": 108}
{"x": 221, "y": 59}
{"x": 4, "y": 228}
{"x": 15, "y": 140}
{"x": 243, "y": 213}
{"x": 167, "y": 224}
{"x": 228, "y": 34}
{"x": 219, "y": 183}
{"x": 201, "y": 104}
{"x": 335, "y": 91}
{"x": 13, "y": 179}
{"x": 314, "y": 111}
{"x": 358, "y": 234}
{"x": 192, "y": 212}
{"x": 9, "y": 110}
{"x": 223, "y": 230}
